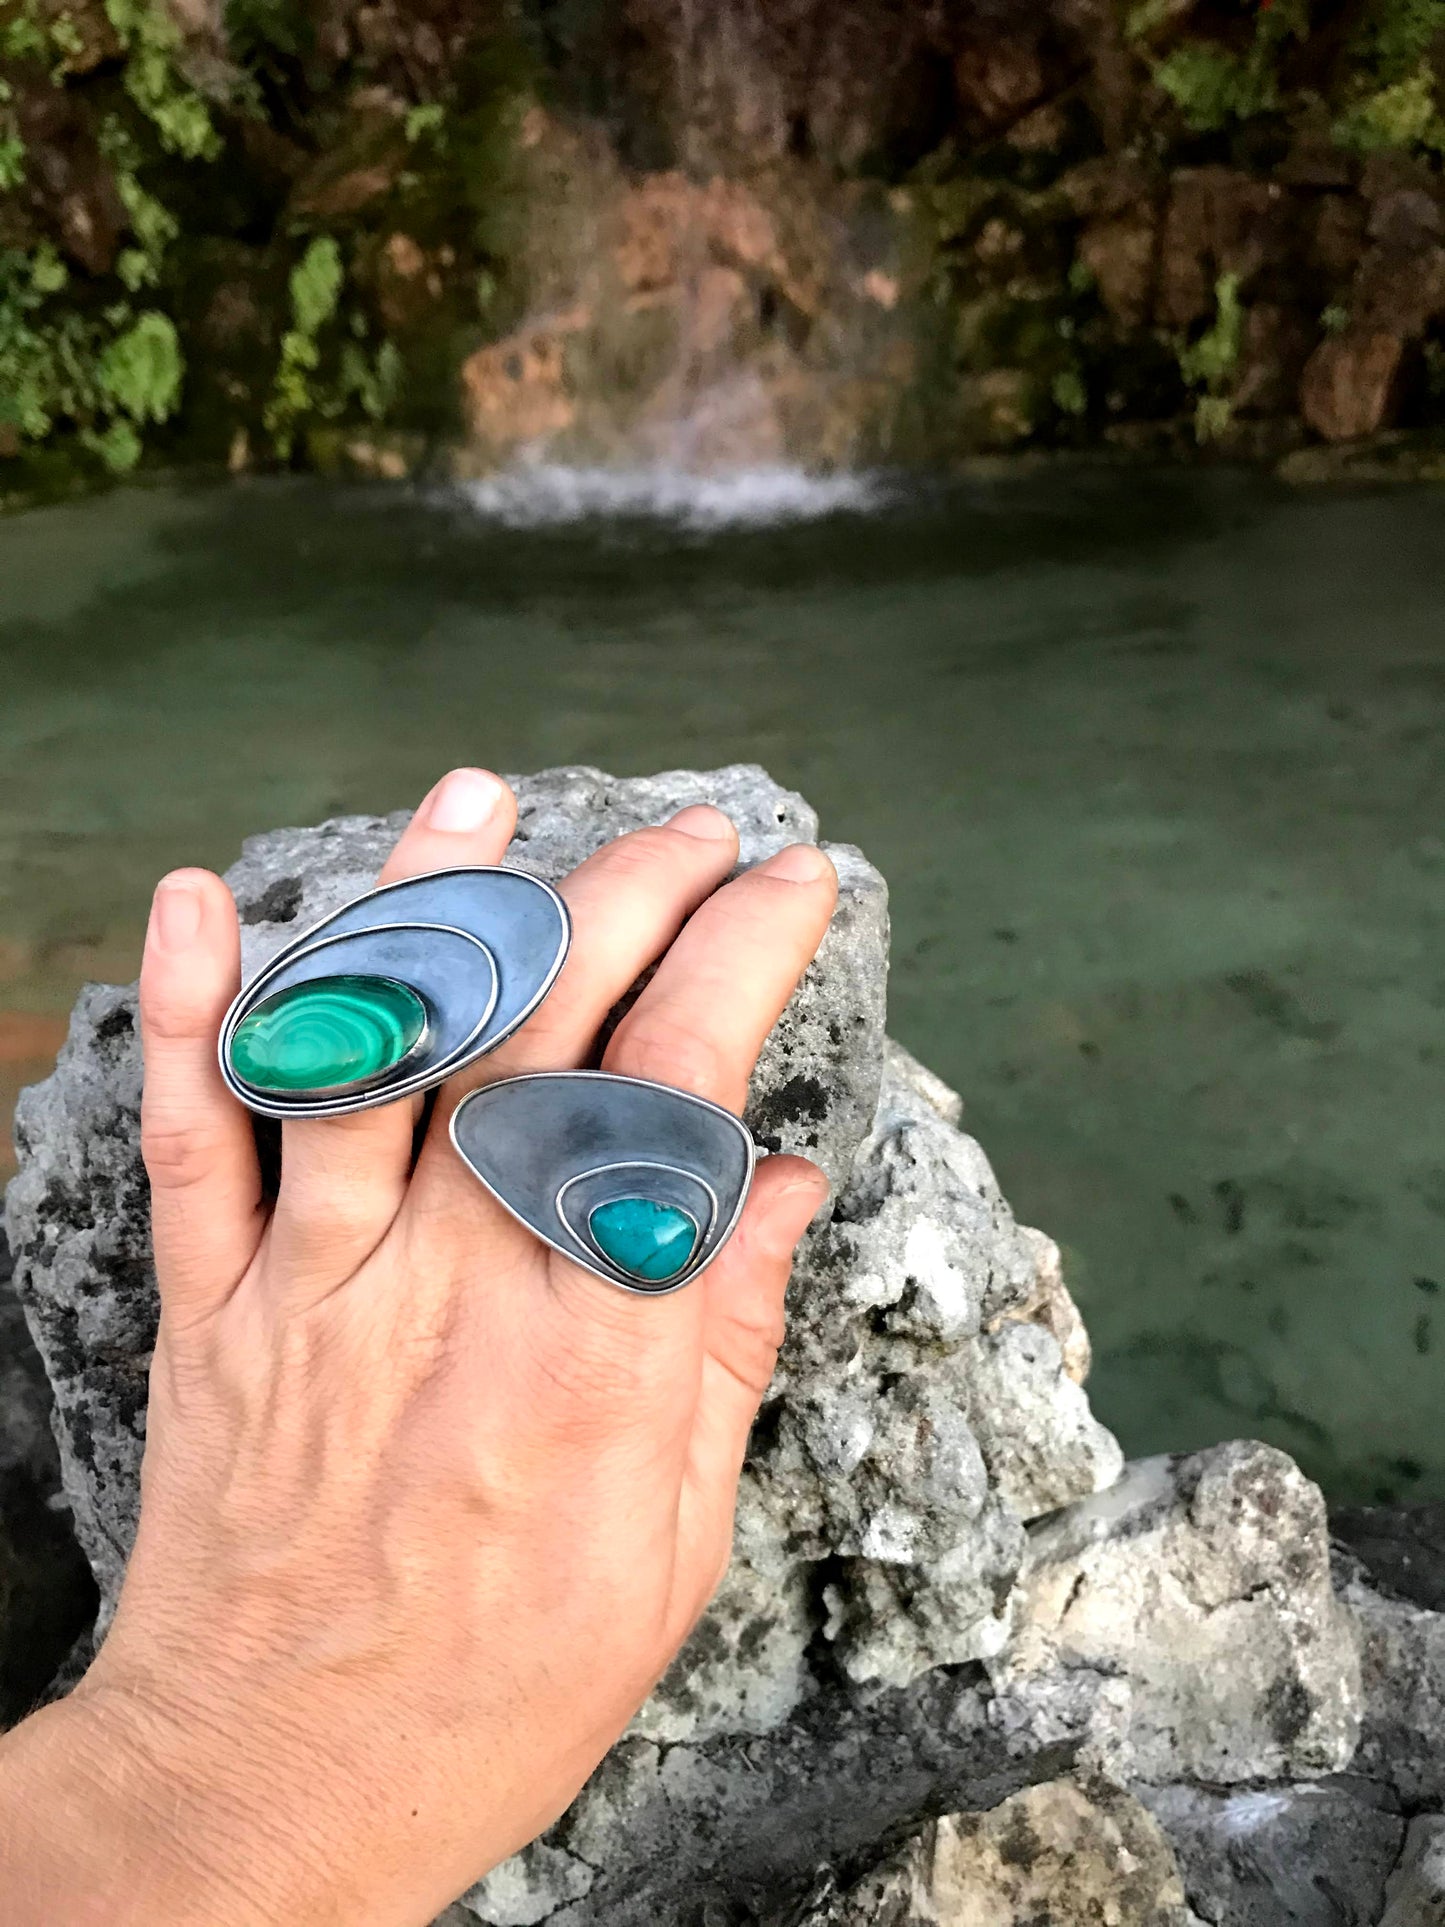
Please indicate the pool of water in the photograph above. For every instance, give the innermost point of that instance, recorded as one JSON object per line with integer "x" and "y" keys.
{"x": 1153, "y": 763}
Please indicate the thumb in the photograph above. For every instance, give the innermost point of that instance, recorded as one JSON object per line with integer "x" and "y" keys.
{"x": 743, "y": 1330}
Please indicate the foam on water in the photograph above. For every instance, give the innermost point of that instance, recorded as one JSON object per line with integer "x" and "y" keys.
{"x": 546, "y": 494}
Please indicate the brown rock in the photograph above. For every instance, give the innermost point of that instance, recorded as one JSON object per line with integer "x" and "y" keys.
{"x": 408, "y": 282}
{"x": 1272, "y": 354}
{"x": 359, "y": 166}
{"x": 998, "y": 79}
{"x": 1350, "y": 384}
{"x": 654, "y": 216}
{"x": 1389, "y": 169}
{"x": 740, "y": 228}
{"x": 515, "y": 391}
{"x": 1315, "y": 161}
{"x": 1407, "y": 218}
{"x": 1338, "y": 236}
{"x": 1042, "y": 131}
{"x": 999, "y": 407}
{"x": 67, "y": 181}
{"x": 233, "y": 315}
{"x": 327, "y": 195}
{"x": 1398, "y": 293}
{"x": 1219, "y": 221}
{"x": 1119, "y": 253}
{"x": 1105, "y": 186}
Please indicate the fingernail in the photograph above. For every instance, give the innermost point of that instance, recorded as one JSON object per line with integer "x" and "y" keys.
{"x": 799, "y": 863}
{"x": 463, "y": 801}
{"x": 702, "y": 820}
{"x": 176, "y": 914}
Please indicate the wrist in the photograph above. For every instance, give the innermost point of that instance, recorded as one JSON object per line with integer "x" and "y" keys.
{"x": 113, "y": 1819}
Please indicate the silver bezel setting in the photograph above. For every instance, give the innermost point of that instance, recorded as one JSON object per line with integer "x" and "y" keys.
{"x": 543, "y": 1214}
{"x": 483, "y": 1035}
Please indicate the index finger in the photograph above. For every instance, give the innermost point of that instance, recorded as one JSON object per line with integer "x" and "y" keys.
{"x": 701, "y": 1022}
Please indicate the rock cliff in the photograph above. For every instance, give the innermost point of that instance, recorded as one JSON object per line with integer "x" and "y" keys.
{"x": 833, "y": 231}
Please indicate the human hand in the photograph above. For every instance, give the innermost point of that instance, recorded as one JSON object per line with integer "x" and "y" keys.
{"x": 426, "y": 1508}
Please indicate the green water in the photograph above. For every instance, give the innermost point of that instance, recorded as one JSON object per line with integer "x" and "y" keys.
{"x": 1154, "y": 765}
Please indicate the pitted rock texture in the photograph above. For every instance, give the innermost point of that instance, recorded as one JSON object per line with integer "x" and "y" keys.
{"x": 1058, "y": 1853}
{"x": 778, "y": 1827}
{"x": 1416, "y": 1890}
{"x": 47, "y": 1596}
{"x": 1200, "y": 1589}
{"x": 1311, "y": 1854}
{"x": 919, "y": 1417}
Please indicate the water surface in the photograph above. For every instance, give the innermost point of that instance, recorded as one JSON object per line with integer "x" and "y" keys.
{"x": 1154, "y": 765}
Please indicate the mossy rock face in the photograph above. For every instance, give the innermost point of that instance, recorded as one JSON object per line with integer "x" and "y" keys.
{"x": 826, "y": 203}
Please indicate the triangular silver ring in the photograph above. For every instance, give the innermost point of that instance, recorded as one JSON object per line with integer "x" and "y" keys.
{"x": 640, "y": 1183}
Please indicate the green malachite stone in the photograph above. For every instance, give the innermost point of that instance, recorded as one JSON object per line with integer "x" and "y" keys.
{"x": 646, "y": 1239}
{"x": 327, "y": 1034}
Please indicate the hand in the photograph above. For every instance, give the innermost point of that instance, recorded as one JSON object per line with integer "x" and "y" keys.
{"x": 426, "y": 1508}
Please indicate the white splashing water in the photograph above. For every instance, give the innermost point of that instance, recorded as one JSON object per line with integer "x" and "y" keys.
{"x": 546, "y": 494}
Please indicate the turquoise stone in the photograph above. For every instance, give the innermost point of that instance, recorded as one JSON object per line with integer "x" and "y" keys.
{"x": 327, "y": 1034}
{"x": 643, "y": 1238}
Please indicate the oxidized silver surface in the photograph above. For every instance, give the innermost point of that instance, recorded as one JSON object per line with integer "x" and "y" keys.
{"x": 481, "y": 946}
{"x": 553, "y": 1146}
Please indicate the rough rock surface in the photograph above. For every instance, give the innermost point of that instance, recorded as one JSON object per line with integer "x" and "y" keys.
{"x": 46, "y": 1592}
{"x": 919, "y": 1417}
{"x": 1402, "y": 1547}
{"x": 718, "y": 1833}
{"x": 1202, "y": 1587}
{"x": 1416, "y": 1891}
{"x": 1402, "y": 1662}
{"x": 1053, "y": 1853}
{"x": 1311, "y": 1855}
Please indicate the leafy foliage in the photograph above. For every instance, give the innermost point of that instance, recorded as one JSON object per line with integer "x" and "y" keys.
{"x": 1212, "y": 87}
{"x": 152, "y": 40}
{"x": 300, "y": 389}
{"x": 1209, "y": 362}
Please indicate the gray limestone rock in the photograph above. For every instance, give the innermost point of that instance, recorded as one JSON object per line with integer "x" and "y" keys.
{"x": 1200, "y": 1589}
{"x": 1059, "y": 1853}
{"x": 47, "y": 1596}
{"x": 1416, "y": 1890}
{"x": 1402, "y": 1664}
{"x": 875, "y": 1657}
{"x": 1294, "y": 1855}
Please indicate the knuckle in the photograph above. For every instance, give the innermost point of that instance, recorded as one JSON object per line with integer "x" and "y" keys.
{"x": 662, "y": 1044}
{"x": 641, "y": 853}
{"x": 172, "y": 1018}
{"x": 177, "y": 1153}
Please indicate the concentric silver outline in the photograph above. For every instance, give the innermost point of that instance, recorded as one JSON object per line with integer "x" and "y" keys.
{"x": 356, "y": 1085}
{"x": 636, "y": 1164}
{"x": 713, "y": 1240}
{"x": 314, "y": 935}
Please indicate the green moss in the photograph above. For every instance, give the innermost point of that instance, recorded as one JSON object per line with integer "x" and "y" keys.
{"x": 1402, "y": 115}
{"x": 152, "y": 41}
{"x": 1212, "y": 87}
{"x": 1207, "y": 364}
